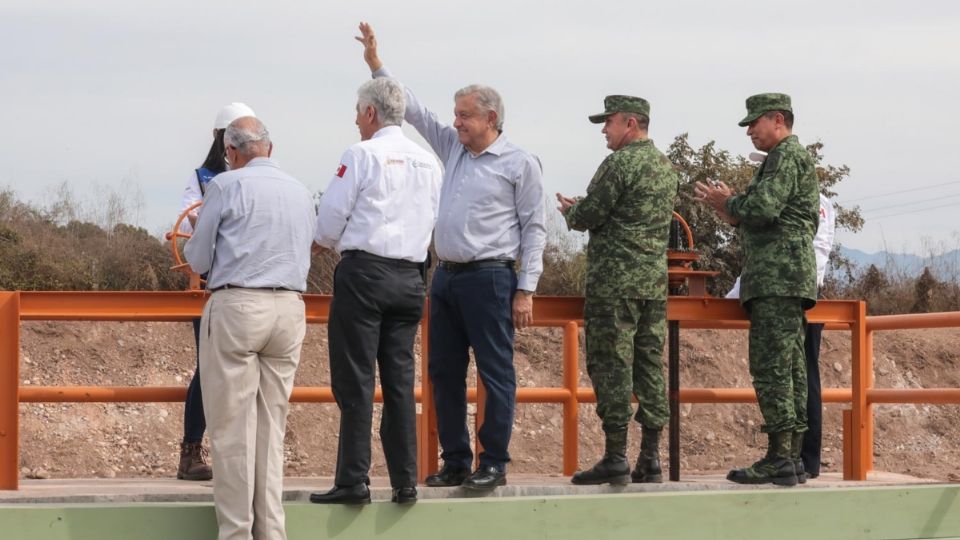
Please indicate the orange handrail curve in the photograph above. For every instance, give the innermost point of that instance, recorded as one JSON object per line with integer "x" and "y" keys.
{"x": 564, "y": 312}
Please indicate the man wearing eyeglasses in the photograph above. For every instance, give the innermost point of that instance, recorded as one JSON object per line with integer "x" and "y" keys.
{"x": 253, "y": 236}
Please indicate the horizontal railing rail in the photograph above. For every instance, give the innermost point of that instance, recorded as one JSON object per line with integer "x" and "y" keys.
{"x": 562, "y": 312}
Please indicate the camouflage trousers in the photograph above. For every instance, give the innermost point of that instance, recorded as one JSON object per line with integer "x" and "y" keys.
{"x": 625, "y": 359}
{"x": 777, "y": 362}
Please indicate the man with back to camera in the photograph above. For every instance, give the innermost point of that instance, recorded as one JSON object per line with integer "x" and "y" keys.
{"x": 378, "y": 212}
{"x": 491, "y": 215}
{"x": 628, "y": 210}
{"x": 253, "y": 236}
{"x": 776, "y": 217}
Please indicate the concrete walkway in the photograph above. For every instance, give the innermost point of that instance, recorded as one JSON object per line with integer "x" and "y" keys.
{"x": 138, "y": 490}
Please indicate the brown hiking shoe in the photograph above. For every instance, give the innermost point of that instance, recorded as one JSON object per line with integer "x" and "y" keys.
{"x": 192, "y": 463}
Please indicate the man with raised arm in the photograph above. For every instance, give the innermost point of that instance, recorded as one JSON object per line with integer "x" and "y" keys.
{"x": 491, "y": 217}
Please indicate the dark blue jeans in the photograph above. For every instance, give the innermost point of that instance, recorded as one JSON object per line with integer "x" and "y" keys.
{"x": 194, "y": 423}
{"x": 473, "y": 309}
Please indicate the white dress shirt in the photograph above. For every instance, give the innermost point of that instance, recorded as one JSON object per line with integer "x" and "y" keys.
{"x": 255, "y": 229}
{"x": 191, "y": 195}
{"x": 822, "y": 243}
{"x": 491, "y": 205}
{"x": 383, "y": 198}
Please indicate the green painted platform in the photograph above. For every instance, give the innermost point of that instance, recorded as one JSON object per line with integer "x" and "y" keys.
{"x": 885, "y": 512}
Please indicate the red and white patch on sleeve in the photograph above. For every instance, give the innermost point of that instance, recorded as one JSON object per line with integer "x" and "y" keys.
{"x": 341, "y": 171}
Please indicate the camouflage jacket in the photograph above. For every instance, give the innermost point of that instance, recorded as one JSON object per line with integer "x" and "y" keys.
{"x": 628, "y": 210}
{"x": 778, "y": 216}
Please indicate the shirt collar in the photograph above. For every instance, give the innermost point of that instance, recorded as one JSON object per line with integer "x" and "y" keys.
{"x": 262, "y": 162}
{"x": 785, "y": 140}
{"x": 497, "y": 147}
{"x": 387, "y": 131}
{"x": 641, "y": 142}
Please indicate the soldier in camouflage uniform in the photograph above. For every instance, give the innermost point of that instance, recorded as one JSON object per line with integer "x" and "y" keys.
{"x": 628, "y": 209}
{"x": 777, "y": 217}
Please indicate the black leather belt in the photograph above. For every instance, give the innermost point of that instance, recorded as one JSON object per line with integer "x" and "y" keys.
{"x": 274, "y": 289}
{"x": 364, "y": 256}
{"x": 475, "y": 265}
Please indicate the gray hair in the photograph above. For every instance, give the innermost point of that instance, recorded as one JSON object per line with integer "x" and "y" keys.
{"x": 487, "y": 98}
{"x": 248, "y": 135}
{"x": 386, "y": 96}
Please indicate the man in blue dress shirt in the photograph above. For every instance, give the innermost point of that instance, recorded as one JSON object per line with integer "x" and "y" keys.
{"x": 253, "y": 238}
{"x": 491, "y": 217}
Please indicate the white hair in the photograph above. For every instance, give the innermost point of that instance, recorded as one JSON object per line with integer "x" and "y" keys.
{"x": 487, "y": 98}
{"x": 387, "y": 97}
{"x": 247, "y": 139}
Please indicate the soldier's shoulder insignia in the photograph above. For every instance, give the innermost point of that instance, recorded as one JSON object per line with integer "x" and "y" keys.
{"x": 772, "y": 163}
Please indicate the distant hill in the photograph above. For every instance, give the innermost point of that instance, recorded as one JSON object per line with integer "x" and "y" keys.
{"x": 908, "y": 263}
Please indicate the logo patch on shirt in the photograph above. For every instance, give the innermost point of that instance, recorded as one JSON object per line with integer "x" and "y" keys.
{"x": 394, "y": 161}
{"x": 420, "y": 164}
{"x": 341, "y": 171}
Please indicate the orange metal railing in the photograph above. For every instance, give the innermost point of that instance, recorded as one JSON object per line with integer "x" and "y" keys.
{"x": 563, "y": 312}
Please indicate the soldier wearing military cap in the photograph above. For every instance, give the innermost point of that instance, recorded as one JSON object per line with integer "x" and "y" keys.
{"x": 628, "y": 209}
{"x": 777, "y": 217}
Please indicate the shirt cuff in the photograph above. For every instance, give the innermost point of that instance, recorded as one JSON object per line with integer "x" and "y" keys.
{"x": 526, "y": 282}
{"x": 382, "y": 72}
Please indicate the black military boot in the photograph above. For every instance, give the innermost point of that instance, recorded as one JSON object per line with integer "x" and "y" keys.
{"x": 796, "y": 444}
{"x": 776, "y": 467}
{"x": 648, "y": 469}
{"x": 613, "y": 468}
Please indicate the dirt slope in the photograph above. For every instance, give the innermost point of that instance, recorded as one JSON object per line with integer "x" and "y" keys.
{"x": 141, "y": 440}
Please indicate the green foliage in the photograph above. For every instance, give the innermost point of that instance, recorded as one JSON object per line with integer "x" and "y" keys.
{"x": 40, "y": 252}
{"x": 717, "y": 242}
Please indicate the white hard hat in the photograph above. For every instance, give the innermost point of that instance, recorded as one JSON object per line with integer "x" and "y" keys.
{"x": 230, "y": 113}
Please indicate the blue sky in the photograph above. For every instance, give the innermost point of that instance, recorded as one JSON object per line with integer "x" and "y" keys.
{"x": 111, "y": 95}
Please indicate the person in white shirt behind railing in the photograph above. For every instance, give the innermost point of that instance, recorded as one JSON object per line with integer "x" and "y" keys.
{"x": 812, "y": 438}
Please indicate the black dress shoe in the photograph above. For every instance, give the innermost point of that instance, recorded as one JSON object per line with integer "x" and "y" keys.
{"x": 404, "y": 495}
{"x": 485, "y": 478}
{"x": 449, "y": 476}
{"x": 358, "y": 494}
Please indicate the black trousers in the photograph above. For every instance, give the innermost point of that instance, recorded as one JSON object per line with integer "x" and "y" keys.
{"x": 810, "y": 450}
{"x": 377, "y": 304}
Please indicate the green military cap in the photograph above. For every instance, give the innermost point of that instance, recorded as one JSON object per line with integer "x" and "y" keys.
{"x": 762, "y": 103}
{"x": 627, "y": 104}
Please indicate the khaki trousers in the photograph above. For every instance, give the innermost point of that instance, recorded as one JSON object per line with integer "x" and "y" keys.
{"x": 249, "y": 350}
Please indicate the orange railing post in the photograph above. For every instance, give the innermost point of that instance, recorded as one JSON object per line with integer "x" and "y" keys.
{"x": 427, "y": 441}
{"x": 861, "y": 447}
{"x": 571, "y": 408}
{"x": 868, "y": 412}
{"x": 9, "y": 390}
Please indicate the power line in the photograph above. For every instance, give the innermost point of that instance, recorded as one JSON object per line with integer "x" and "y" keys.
{"x": 900, "y": 205}
{"x": 914, "y": 211}
{"x": 848, "y": 201}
